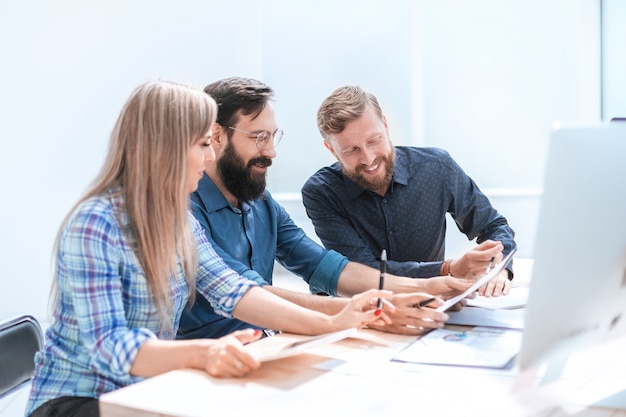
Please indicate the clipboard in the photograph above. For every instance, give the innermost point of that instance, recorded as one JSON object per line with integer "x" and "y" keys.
{"x": 277, "y": 351}
{"x": 495, "y": 271}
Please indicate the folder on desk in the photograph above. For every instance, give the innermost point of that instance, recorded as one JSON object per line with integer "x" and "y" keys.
{"x": 277, "y": 350}
{"x": 477, "y": 347}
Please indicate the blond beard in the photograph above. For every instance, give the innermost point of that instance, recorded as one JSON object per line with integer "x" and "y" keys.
{"x": 360, "y": 180}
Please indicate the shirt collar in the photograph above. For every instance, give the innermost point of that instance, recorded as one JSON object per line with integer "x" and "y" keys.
{"x": 211, "y": 197}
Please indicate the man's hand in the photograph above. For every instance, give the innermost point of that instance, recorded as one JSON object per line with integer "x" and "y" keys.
{"x": 474, "y": 263}
{"x": 446, "y": 286}
{"x": 498, "y": 286}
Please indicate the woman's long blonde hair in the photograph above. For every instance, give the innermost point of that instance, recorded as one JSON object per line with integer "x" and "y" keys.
{"x": 147, "y": 159}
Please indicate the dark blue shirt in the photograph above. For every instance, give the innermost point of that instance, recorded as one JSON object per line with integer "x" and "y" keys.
{"x": 249, "y": 240}
{"x": 409, "y": 221}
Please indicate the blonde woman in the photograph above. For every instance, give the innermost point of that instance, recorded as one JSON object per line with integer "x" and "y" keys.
{"x": 129, "y": 257}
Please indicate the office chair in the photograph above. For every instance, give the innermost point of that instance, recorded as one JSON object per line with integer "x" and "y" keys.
{"x": 20, "y": 338}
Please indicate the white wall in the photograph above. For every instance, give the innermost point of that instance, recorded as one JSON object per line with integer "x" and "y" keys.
{"x": 483, "y": 78}
{"x": 613, "y": 59}
{"x": 68, "y": 67}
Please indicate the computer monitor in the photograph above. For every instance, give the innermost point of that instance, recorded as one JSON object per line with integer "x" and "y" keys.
{"x": 577, "y": 295}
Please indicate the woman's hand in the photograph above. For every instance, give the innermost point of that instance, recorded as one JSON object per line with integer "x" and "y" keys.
{"x": 225, "y": 357}
{"x": 410, "y": 318}
{"x": 363, "y": 310}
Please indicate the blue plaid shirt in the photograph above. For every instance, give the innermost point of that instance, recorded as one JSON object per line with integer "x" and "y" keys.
{"x": 104, "y": 311}
{"x": 409, "y": 221}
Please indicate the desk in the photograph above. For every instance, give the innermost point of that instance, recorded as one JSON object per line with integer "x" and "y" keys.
{"x": 353, "y": 377}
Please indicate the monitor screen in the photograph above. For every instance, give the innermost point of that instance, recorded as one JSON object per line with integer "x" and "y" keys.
{"x": 577, "y": 295}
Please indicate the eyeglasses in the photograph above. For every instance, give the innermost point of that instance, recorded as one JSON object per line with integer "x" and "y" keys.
{"x": 263, "y": 137}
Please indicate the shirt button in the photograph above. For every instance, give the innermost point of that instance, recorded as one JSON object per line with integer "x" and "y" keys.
{"x": 384, "y": 200}
{"x": 391, "y": 233}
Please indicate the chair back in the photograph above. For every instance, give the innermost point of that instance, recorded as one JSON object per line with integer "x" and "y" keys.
{"x": 20, "y": 338}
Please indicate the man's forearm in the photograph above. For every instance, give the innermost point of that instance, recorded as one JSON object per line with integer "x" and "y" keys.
{"x": 356, "y": 278}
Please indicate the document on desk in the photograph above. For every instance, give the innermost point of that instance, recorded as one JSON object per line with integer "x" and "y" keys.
{"x": 479, "y": 316}
{"x": 477, "y": 347}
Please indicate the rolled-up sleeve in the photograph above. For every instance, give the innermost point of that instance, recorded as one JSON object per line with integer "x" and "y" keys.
{"x": 126, "y": 347}
{"x": 326, "y": 275}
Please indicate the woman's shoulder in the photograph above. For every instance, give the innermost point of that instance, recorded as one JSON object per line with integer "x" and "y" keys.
{"x": 99, "y": 211}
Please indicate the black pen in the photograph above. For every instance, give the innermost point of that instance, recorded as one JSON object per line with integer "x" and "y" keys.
{"x": 425, "y": 302}
{"x": 383, "y": 269}
{"x": 493, "y": 258}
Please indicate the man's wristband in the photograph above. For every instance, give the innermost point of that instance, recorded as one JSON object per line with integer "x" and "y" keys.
{"x": 445, "y": 267}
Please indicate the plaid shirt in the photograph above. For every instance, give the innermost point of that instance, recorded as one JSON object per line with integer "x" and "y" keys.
{"x": 104, "y": 311}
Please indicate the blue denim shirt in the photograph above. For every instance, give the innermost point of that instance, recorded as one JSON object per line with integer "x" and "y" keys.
{"x": 409, "y": 221}
{"x": 249, "y": 240}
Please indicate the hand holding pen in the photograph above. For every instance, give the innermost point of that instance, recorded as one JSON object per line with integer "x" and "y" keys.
{"x": 493, "y": 258}
{"x": 414, "y": 314}
{"x": 471, "y": 264}
{"x": 425, "y": 302}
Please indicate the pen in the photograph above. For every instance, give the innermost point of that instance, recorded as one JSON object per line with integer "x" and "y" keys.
{"x": 383, "y": 269}
{"x": 490, "y": 264}
{"x": 424, "y": 303}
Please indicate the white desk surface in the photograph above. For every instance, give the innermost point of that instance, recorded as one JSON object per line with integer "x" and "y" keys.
{"x": 355, "y": 377}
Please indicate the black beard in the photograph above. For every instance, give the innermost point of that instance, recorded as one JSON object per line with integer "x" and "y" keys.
{"x": 238, "y": 178}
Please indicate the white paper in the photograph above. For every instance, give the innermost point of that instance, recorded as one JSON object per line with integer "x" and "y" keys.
{"x": 495, "y": 271}
{"x": 517, "y": 298}
{"x": 480, "y": 346}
